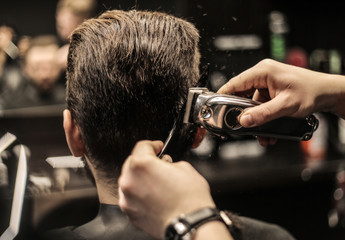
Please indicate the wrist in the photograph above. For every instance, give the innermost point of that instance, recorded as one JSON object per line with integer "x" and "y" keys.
{"x": 185, "y": 226}
{"x": 207, "y": 231}
{"x": 339, "y": 109}
{"x": 186, "y": 208}
{"x": 333, "y": 95}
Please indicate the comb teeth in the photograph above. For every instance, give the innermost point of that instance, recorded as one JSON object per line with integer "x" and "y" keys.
{"x": 6, "y": 141}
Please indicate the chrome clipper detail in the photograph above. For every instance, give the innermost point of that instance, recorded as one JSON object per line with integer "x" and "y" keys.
{"x": 218, "y": 114}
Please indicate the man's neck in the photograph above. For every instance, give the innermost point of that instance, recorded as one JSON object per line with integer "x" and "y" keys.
{"x": 105, "y": 195}
{"x": 107, "y": 189}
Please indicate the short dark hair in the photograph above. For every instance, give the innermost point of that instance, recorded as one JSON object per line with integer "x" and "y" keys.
{"x": 127, "y": 76}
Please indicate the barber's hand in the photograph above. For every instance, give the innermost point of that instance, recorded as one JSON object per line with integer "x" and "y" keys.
{"x": 153, "y": 191}
{"x": 285, "y": 90}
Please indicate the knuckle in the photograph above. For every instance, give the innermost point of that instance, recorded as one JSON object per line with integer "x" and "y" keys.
{"x": 125, "y": 186}
{"x": 291, "y": 104}
{"x": 123, "y": 205}
{"x": 139, "y": 162}
{"x": 266, "y": 67}
{"x": 261, "y": 114}
{"x": 136, "y": 161}
{"x": 266, "y": 63}
{"x": 140, "y": 144}
{"x": 184, "y": 164}
{"x": 205, "y": 182}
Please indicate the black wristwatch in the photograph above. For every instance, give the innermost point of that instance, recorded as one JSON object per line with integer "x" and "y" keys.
{"x": 183, "y": 227}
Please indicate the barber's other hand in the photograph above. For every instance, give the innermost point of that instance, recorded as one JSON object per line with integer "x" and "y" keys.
{"x": 285, "y": 90}
{"x": 153, "y": 192}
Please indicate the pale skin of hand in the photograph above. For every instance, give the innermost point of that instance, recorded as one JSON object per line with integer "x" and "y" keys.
{"x": 153, "y": 192}
{"x": 286, "y": 90}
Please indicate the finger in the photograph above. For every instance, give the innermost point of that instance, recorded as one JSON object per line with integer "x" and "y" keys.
{"x": 157, "y": 146}
{"x": 229, "y": 88}
{"x": 146, "y": 147}
{"x": 247, "y": 81}
{"x": 122, "y": 200}
{"x": 265, "y": 112}
{"x": 129, "y": 197}
{"x": 125, "y": 205}
{"x": 167, "y": 158}
{"x": 124, "y": 170}
{"x": 142, "y": 151}
{"x": 262, "y": 95}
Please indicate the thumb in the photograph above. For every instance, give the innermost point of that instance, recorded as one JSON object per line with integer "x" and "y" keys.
{"x": 265, "y": 112}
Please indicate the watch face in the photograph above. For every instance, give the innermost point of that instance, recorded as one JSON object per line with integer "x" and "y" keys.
{"x": 183, "y": 228}
{"x": 175, "y": 231}
{"x": 180, "y": 228}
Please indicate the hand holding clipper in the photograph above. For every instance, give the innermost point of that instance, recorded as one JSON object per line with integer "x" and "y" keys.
{"x": 218, "y": 113}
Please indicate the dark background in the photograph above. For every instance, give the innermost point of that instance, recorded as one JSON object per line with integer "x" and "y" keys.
{"x": 270, "y": 190}
{"x": 313, "y": 24}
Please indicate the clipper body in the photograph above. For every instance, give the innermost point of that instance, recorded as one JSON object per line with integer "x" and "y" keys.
{"x": 218, "y": 114}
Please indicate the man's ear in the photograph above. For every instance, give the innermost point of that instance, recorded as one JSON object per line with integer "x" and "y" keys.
{"x": 73, "y": 135}
{"x": 199, "y": 136}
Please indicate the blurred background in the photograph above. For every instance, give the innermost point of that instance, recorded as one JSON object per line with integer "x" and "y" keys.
{"x": 298, "y": 185}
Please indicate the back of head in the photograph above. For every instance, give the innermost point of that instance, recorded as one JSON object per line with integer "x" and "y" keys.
{"x": 127, "y": 76}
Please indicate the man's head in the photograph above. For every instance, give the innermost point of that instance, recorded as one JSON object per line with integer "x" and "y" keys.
{"x": 40, "y": 65}
{"x": 127, "y": 76}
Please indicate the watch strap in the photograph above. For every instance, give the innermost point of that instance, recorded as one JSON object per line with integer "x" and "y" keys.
{"x": 183, "y": 227}
{"x": 199, "y": 217}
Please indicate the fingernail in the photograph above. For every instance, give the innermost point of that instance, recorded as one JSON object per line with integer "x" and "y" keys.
{"x": 246, "y": 120}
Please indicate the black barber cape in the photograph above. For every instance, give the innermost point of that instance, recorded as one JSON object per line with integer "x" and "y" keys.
{"x": 111, "y": 223}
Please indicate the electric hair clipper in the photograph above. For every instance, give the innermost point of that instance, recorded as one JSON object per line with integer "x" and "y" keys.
{"x": 219, "y": 113}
